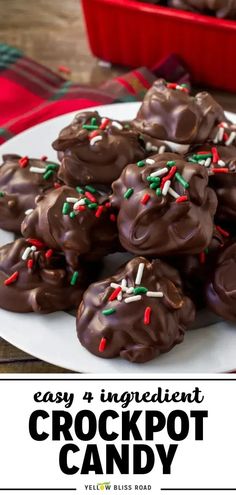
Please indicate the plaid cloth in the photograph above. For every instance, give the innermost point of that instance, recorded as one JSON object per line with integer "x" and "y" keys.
{"x": 31, "y": 93}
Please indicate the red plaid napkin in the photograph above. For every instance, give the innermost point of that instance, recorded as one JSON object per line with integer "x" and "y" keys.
{"x": 31, "y": 93}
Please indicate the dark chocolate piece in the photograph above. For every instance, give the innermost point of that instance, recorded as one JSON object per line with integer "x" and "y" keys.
{"x": 137, "y": 314}
{"x": 221, "y": 287}
{"x": 169, "y": 113}
{"x": 82, "y": 225}
{"x": 165, "y": 207}
{"x": 220, "y": 162}
{"x": 20, "y": 183}
{"x": 221, "y": 8}
{"x": 94, "y": 150}
{"x": 33, "y": 278}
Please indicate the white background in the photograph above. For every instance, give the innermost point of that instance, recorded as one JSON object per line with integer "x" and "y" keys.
{"x": 25, "y": 463}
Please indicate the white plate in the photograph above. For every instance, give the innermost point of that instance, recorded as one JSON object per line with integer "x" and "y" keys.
{"x": 53, "y": 337}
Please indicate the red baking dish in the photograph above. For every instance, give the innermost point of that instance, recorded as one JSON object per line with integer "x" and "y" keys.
{"x": 133, "y": 34}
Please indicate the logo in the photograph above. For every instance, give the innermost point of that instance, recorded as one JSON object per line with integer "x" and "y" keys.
{"x": 106, "y": 485}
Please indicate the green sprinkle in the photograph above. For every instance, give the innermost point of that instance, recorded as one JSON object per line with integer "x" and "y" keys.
{"x": 128, "y": 193}
{"x": 74, "y": 278}
{"x": 52, "y": 166}
{"x": 206, "y": 250}
{"x": 171, "y": 163}
{"x": 48, "y": 174}
{"x": 153, "y": 185}
{"x": 158, "y": 192}
{"x": 90, "y": 189}
{"x": 184, "y": 85}
{"x": 140, "y": 290}
{"x": 181, "y": 180}
{"x": 157, "y": 180}
{"x": 141, "y": 163}
{"x": 72, "y": 214}
{"x": 107, "y": 312}
{"x": 90, "y": 127}
{"x": 93, "y": 206}
{"x": 1, "y": 194}
{"x": 202, "y": 157}
{"x": 94, "y": 121}
{"x": 127, "y": 126}
{"x": 87, "y": 201}
{"x": 66, "y": 208}
{"x": 79, "y": 190}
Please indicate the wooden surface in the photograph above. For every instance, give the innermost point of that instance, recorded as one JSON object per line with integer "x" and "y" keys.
{"x": 52, "y": 32}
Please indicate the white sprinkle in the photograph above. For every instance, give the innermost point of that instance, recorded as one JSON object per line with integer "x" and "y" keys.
{"x": 178, "y": 148}
{"x": 221, "y": 133}
{"x": 123, "y": 283}
{"x": 221, "y": 163}
{"x": 27, "y": 212}
{"x": 208, "y": 162}
{"x": 149, "y": 161}
{"x": 173, "y": 193}
{"x": 154, "y": 294}
{"x": 129, "y": 290}
{"x": 148, "y": 146}
{"x": 162, "y": 149}
{"x": 79, "y": 203}
{"x": 117, "y": 125}
{"x": 154, "y": 148}
{"x": 114, "y": 286}
{"x": 104, "y": 63}
{"x": 132, "y": 299}
{"x": 216, "y": 138}
{"x": 37, "y": 170}
{"x": 119, "y": 297}
{"x": 166, "y": 187}
{"x": 33, "y": 248}
{"x": 162, "y": 171}
{"x": 26, "y": 253}
{"x": 201, "y": 162}
{"x": 139, "y": 274}
{"x": 95, "y": 140}
{"x": 231, "y": 138}
{"x": 71, "y": 200}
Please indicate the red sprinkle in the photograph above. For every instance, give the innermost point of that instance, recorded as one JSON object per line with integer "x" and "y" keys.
{"x": 112, "y": 217}
{"x": 171, "y": 85}
{"x": 220, "y": 170}
{"x": 44, "y": 158}
{"x": 99, "y": 211}
{"x": 215, "y": 155}
{"x": 202, "y": 152}
{"x": 90, "y": 196}
{"x": 108, "y": 205}
{"x": 80, "y": 208}
{"x": 225, "y": 136}
{"x": 222, "y": 231}
{"x": 114, "y": 294}
{"x": 102, "y": 345}
{"x": 93, "y": 134}
{"x": 145, "y": 199}
{"x": 13, "y": 278}
{"x": 202, "y": 257}
{"x": 23, "y": 162}
{"x": 168, "y": 176}
{"x": 57, "y": 185}
{"x": 30, "y": 264}
{"x": 49, "y": 253}
{"x": 104, "y": 124}
{"x": 181, "y": 199}
{"x": 147, "y": 315}
{"x": 65, "y": 69}
{"x": 36, "y": 243}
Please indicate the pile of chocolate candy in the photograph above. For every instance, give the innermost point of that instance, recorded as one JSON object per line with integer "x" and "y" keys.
{"x": 161, "y": 187}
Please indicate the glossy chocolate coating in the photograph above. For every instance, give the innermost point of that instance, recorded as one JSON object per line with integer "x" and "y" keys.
{"x": 125, "y": 332}
{"x": 83, "y": 162}
{"x": 224, "y": 184}
{"x": 221, "y": 287}
{"x": 174, "y": 115}
{"x": 222, "y": 8}
{"x": 195, "y": 268}
{"x": 20, "y": 187}
{"x": 162, "y": 226}
{"x": 43, "y": 289}
{"x": 83, "y": 237}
